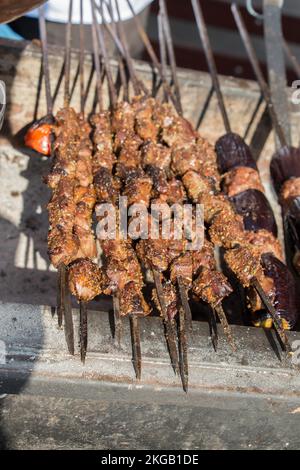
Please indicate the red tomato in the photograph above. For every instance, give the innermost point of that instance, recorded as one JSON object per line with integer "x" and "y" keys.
{"x": 38, "y": 138}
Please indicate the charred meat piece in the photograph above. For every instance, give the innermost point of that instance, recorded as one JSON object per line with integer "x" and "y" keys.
{"x": 182, "y": 267}
{"x": 211, "y": 287}
{"x": 85, "y": 199}
{"x": 63, "y": 246}
{"x": 154, "y": 253}
{"x": 185, "y": 158}
{"x": 203, "y": 258}
{"x": 85, "y": 279}
{"x": 130, "y": 155}
{"x": 123, "y": 120}
{"x": 177, "y": 131}
{"x": 107, "y": 186}
{"x": 138, "y": 188}
{"x": 215, "y": 204}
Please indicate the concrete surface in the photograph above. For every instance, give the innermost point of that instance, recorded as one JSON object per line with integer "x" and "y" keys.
{"x": 49, "y": 400}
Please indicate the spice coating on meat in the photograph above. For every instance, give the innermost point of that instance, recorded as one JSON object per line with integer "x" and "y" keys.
{"x": 107, "y": 186}
{"x": 132, "y": 301}
{"x": 196, "y": 185}
{"x": 265, "y": 242}
{"x": 227, "y": 231}
{"x": 211, "y": 287}
{"x": 155, "y": 155}
{"x": 145, "y": 127}
{"x": 85, "y": 279}
{"x": 241, "y": 179}
{"x": 138, "y": 188}
{"x": 244, "y": 263}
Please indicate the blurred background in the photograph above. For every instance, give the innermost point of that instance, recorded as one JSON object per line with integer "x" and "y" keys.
{"x": 229, "y": 51}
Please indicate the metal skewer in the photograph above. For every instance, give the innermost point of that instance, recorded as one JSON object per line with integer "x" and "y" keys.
{"x": 138, "y": 86}
{"x": 83, "y": 306}
{"x": 258, "y": 73}
{"x": 171, "y": 52}
{"x": 152, "y": 55}
{"x": 136, "y": 345}
{"x": 64, "y": 307}
{"x": 213, "y": 70}
{"x": 185, "y": 314}
{"x": 112, "y": 91}
{"x": 183, "y": 350}
{"x": 292, "y": 58}
{"x": 83, "y": 330}
{"x": 81, "y": 58}
{"x": 116, "y": 303}
{"x": 225, "y": 325}
{"x": 214, "y": 328}
{"x": 281, "y": 136}
{"x": 68, "y": 55}
{"x": 43, "y": 34}
{"x": 275, "y": 317}
{"x": 170, "y": 331}
{"x": 97, "y": 62}
{"x": 111, "y": 28}
{"x": 134, "y": 319}
{"x": 162, "y": 49}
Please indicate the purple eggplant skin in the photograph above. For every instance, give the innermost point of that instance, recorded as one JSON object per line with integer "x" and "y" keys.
{"x": 285, "y": 164}
{"x": 256, "y": 211}
{"x": 232, "y": 151}
{"x": 286, "y": 301}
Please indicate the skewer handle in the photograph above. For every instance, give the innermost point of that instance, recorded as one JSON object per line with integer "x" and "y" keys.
{"x": 258, "y": 72}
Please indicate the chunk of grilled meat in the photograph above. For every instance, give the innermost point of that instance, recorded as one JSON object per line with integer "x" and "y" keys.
{"x": 244, "y": 262}
{"x": 85, "y": 279}
{"x": 211, "y": 287}
{"x": 241, "y": 179}
{"x": 132, "y": 301}
{"x": 156, "y": 155}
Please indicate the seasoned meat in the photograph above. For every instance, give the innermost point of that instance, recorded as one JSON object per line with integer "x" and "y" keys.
{"x": 196, "y": 185}
{"x": 132, "y": 301}
{"x": 265, "y": 242}
{"x": 107, "y": 186}
{"x": 240, "y": 179}
{"x": 156, "y": 155}
{"x": 85, "y": 279}
{"x": 227, "y": 231}
{"x": 185, "y": 159}
{"x": 244, "y": 262}
{"x": 211, "y": 287}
